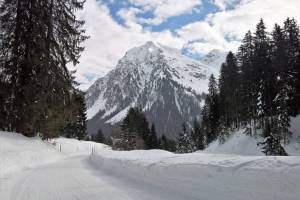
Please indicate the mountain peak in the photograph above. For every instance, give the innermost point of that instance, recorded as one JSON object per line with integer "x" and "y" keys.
{"x": 149, "y": 44}
{"x": 160, "y": 80}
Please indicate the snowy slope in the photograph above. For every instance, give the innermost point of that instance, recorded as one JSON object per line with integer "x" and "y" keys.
{"x": 240, "y": 144}
{"x": 140, "y": 175}
{"x": 18, "y": 152}
{"x": 165, "y": 84}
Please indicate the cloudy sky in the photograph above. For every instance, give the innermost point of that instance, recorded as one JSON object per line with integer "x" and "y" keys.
{"x": 193, "y": 26}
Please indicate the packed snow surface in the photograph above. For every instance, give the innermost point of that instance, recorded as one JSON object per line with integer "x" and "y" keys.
{"x": 69, "y": 170}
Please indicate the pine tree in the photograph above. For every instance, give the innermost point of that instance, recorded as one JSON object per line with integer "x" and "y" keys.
{"x": 292, "y": 39}
{"x": 281, "y": 121}
{"x": 197, "y": 135}
{"x": 153, "y": 141}
{"x": 229, "y": 86}
{"x": 163, "y": 143}
{"x": 38, "y": 40}
{"x": 266, "y": 75}
{"x": 185, "y": 143}
{"x": 211, "y": 112}
{"x": 99, "y": 137}
{"x": 135, "y": 130}
{"x": 80, "y": 123}
{"x": 247, "y": 93}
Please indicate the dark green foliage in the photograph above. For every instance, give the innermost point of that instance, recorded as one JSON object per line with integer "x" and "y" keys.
{"x": 229, "y": 85}
{"x": 247, "y": 93}
{"x": 211, "y": 112}
{"x": 76, "y": 126}
{"x": 198, "y": 136}
{"x": 80, "y": 120}
{"x": 260, "y": 88}
{"x": 37, "y": 41}
{"x": 135, "y": 132}
{"x": 153, "y": 141}
{"x": 272, "y": 147}
{"x": 185, "y": 143}
{"x": 99, "y": 137}
{"x": 166, "y": 144}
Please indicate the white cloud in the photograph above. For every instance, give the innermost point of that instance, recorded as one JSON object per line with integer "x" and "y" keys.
{"x": 163, "y": 9}
{"x": 222, "y": 30}
{"x": 225, "y": 29}
{"x": 109, "y": 41}
{"x": 223, "y": 4}
{"x": 234, "y": 23}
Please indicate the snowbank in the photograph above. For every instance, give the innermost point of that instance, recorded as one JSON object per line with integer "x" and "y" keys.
{"x": 18, "y": 152}
{"x": 73, "y": 147}
{"x": 237, "y": 143}
{"x": 241, "y": 144}
{"x": 204, "y": 176}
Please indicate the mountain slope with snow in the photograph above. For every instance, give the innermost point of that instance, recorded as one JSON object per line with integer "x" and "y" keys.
{"x": 165, "y": 84}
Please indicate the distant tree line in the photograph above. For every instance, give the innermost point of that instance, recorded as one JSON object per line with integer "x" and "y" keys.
{"x": 136, "y": 133}
{"x": 38, "y": 39}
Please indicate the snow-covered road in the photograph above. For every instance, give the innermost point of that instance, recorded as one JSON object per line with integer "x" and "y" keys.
{"x": 86, "y": 178}
{"x": 31, "y": 169}
{"x": 77, "y": 179}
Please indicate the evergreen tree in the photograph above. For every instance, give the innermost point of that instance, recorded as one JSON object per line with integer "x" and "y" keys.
{"x": 38, "y": 40}
{"x": 281, "y": 121}
{"x": 99, "y": 137}
{"x": 292, "y": 39}
{"x": 265, "y": 73}
{"x": 272, "y": 146}
{"x": 185, "y": 143}
{"x": 163, "y": 143}
{"x": 135, "y": 130}
{"x": 197, "y": 135}
{"x": 229, "y": 86}
{"x": 211, "y": 112}
{"x": 153, "y": 141}
{"x": 247, "y": 92}
{"x": 80, "y": 123}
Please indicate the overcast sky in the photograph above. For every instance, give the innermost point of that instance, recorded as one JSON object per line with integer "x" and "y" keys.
{"x": 193, "y": 26}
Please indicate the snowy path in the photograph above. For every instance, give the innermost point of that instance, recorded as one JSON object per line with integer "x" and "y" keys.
{"x": 76, "y": 179}
{"x": 31, "y": 169}
{"x": 86, "y": 178}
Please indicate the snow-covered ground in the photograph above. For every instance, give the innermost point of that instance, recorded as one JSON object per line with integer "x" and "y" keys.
{"x": 35, "y": 170}
{"x": 241, "y": 144}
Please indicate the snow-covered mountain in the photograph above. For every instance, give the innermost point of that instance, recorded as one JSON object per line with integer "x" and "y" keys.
{"x": 165, "y": 84}
{"x": 214, "y": 59}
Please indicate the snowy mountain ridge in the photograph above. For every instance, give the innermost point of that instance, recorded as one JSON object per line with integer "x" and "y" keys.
{"x": 165, "y": 84}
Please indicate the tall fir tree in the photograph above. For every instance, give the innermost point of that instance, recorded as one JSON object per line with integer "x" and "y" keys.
{"x": 81, "y": 119}
{"x": 38, "y": 40}
{"x": 99, "y": 137}
{"x": 135, "y": 132}
{"x": 197, "y": 135}
{"x": 292, "y": 39}
{"x": 265, "y": 74}
{"x": 229, "y": 86}
{"x": 247, "y": 92}
{"x": 153, "y": 141}
{"x": 185, "y": 143}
